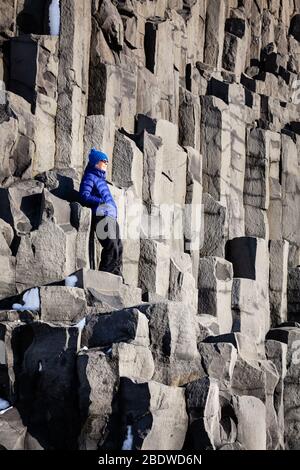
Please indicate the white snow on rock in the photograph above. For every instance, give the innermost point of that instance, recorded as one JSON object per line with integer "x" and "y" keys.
{"x": 80, "y": 327}
{"x": 54, "y": 18}
{"x": 127, "y": 444}
{"x": 4, "y": 405}
{"x": 31, "y": 300}
{"x": 71, "y": 281}
{"x": 81, "y": 324}
{"x": 7, "y": 409}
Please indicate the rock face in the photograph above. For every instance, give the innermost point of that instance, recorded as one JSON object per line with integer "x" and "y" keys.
{"x": 197, "y": 105}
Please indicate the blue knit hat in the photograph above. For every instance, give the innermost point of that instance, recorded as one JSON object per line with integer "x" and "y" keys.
{"x": 96, "y": 156}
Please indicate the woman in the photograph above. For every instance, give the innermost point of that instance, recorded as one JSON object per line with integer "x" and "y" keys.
{"x": 95, "y": 193}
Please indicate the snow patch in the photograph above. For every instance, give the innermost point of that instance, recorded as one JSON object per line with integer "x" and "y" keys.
{"x": 71, "y": 281}
{"x": 127, "y": 444}
{"x": 67, "y": 339}
{"x": 31, "y": 300}
{"x": 81, "y": 325}
{"x": 54, "y": 18}
{"x": 7, "y": 409}
{"x": 4, "y": 405}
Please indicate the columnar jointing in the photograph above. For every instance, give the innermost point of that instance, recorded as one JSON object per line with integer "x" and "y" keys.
{"x": 196, "y": 104}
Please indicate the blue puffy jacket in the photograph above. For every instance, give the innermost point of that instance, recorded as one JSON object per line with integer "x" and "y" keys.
{"x": 95, "y": 193}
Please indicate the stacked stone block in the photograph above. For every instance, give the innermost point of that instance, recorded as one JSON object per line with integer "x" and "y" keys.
{"x": 197, "y": 105}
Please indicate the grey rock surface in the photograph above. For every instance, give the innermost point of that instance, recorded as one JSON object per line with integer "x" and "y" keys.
{"x": 196, "y": 347}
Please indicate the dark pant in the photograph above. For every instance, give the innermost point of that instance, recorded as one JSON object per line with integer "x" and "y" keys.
{"x": 108, "y": 234}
